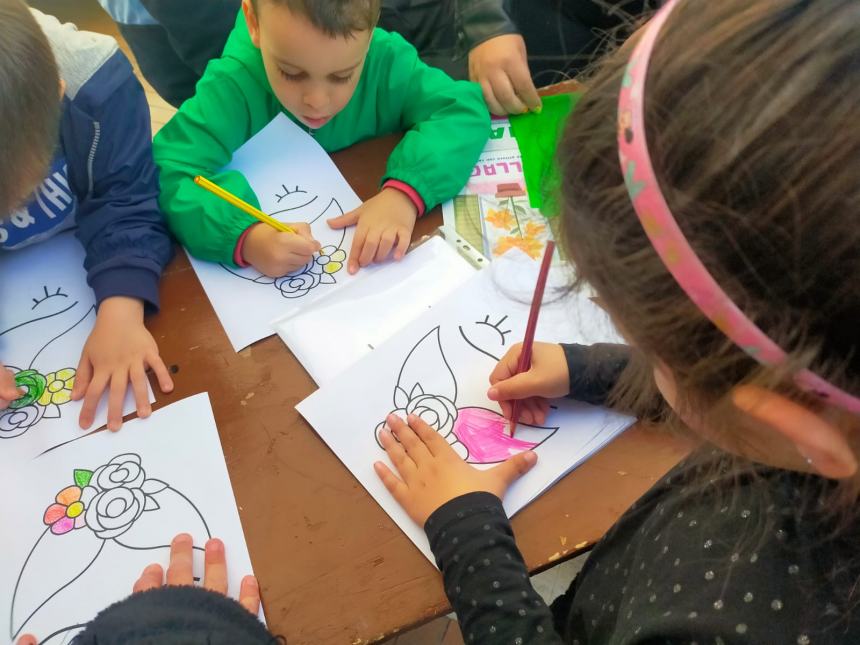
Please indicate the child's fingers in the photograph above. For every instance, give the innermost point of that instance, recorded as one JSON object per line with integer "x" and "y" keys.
{"x": 543, "y": 409}
{"x": 8, "y": 389}
{"x": 518, "y": 386}
{"x": 300, "y": 245}
{"x": 404, "y": 237}
{"x": 180, "y": 571}
{"x": 83, "y": 376}
{"x": 303, "y": 229}
{"x": 347, "y": 219}
{"x": 141, "y": 393}
{"x": 432, "y": 439}
{"x": 415, "y": 448}
{"x": 215, "y": 568}
{"x": 249, "y": 594}
{"x": 392, "y": 482}
{"x": 505, "y": 94}
{"x": 116, "y": 397}
{"x": 357, "y": 245}
{"x": 507, "y": 365}
{"x": 91, "y": 399}
{"x": 386, "y": 243}
{"x": 162, "y": 374}
{"x": 368, "y": 250}
{"x": 511, "y": 470}
{"x": 151, "y": 578}
{"x": 523, "y": 85}
{"x": 27, "y": 639}
{"x": 490, "y": 98}
{"x": 402, "y": 462}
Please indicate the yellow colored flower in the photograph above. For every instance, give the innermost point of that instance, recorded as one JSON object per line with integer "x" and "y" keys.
{"x": 502, "y": 219}
{"x": 534, "y": 229}
{"x": 331, "y": 259}
{"x": 531, "y": 247}
{"x": 59, "y": 387}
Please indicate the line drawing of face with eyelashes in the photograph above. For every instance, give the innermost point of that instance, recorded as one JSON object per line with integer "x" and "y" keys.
{"x": 57, "y": 294}
{"x": 47, "y": 384}
{"x": 486, "y": 337}
{"x": 323, "y": 268}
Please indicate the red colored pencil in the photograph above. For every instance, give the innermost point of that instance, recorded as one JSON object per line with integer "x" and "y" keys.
{"x": 525, "y": 362}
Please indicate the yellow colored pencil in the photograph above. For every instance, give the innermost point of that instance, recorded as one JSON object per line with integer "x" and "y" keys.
{"x": 241, "y": 204}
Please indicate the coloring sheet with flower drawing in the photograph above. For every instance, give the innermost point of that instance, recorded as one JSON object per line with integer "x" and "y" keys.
{"x": 87, "y": 519}
{"x": 437, "y": 367}
{"x": 295, "y": 181}
{"x": 47, "y": 315}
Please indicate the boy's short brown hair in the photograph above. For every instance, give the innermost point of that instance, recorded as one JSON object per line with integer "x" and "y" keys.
{"x": 29, "y": 101}
{"x": 334, "y": 17}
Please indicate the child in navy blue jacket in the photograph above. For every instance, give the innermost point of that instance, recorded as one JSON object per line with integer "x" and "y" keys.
{"x": 75, "y": 150}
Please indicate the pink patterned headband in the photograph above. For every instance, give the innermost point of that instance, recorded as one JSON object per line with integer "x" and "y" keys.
{"x": 668, "y": 239}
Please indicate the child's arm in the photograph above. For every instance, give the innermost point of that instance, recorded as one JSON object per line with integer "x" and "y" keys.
{"x": 446, "y": 125}
{"x": 587, "y": 373}
{"x": 460, "y": 508}
{"x": 200, "y": 139}
{"x": 107, "y": 140}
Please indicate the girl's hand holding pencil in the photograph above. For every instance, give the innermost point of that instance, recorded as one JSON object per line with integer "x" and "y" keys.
{"x": 547, "y": 378}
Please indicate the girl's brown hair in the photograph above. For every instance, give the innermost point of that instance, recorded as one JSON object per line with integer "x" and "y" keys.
{"x": 29, "y": 101}
{"x": 753, "y": 130}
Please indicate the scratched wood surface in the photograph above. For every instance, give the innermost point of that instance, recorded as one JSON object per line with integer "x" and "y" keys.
{"x": 332, "y": 566}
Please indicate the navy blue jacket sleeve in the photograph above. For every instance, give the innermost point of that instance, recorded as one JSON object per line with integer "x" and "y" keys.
{"x": 107, "y": 139}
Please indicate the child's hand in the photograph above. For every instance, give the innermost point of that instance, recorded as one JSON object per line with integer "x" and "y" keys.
{"x": 500, "y": 66}
{"x": 8, "y": 390}
{"x": 385, "y": 222}
{"x": 180, "y": 572}
{"x": 119, "y": 349}
{"x": 431, "y": 473}
{"x": 548, "y": 378}
{"x": 274, "y": 253}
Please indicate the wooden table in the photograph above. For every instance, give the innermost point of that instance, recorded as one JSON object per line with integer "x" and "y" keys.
{"x": 332, "y": 566}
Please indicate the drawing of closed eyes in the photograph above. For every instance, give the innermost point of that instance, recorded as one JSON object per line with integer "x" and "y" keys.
{"x": 324, "y": 266}
{"x": 427, "y": 387}
{"x": 486, "y": 337}
{"x": 56, "y": 294}
{"x": 98, "y": 517}
{"x": 45, "y": 390}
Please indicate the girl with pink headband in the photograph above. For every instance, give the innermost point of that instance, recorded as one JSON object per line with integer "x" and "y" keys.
{"x": 711, "y": 191}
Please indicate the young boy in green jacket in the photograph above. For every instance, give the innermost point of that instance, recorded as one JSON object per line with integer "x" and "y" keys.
{"x": 322, "y": 63}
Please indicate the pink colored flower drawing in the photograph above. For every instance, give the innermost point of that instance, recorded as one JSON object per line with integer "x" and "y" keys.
{"x": 69, "y": 510}
{"x": 427, "y": 387}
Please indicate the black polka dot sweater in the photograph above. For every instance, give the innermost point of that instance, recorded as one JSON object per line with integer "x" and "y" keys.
{"x": 721, "y": 562}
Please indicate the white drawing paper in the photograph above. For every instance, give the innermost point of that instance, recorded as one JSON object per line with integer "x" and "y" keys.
{"x": 295, "y": 181}
{"x": 340, "y": 329}
{"x": 82, "y": 522}
{"x": 47, "y": 315}
{"x": 438, "y": 367}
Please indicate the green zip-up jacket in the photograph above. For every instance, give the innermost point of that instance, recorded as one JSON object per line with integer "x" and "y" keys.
{"x": 445, "y": 123}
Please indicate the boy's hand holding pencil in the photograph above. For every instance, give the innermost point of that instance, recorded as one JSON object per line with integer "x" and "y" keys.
{"x": 274, "y": 253}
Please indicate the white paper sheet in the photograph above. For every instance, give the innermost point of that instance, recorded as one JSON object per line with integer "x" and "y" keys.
{"x": 340, "y": 329}
{"x": 47, "y": 315}
{"x": 438, "y": 367}
{"x": 138, "y": 492}
{"x": 295, "y": 181}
